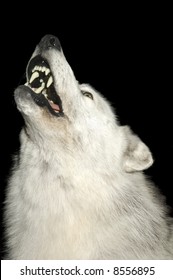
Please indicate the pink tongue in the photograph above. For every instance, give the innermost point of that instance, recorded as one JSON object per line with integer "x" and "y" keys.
{"x": 54, "y": 106}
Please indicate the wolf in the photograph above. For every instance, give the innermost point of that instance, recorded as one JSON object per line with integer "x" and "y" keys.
{"x": 77, "y": 189}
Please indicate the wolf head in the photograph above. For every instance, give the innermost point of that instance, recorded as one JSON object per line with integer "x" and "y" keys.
{"x": 58, "y": 109}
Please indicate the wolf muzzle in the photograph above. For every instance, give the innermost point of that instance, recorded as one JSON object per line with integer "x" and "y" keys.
{"x": 49, "y": 42}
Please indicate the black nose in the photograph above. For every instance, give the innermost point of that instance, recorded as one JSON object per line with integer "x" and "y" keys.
{"x": 49, "y": 42}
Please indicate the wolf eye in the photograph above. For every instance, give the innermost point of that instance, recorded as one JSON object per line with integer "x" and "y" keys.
{"x": 88, "y": 94}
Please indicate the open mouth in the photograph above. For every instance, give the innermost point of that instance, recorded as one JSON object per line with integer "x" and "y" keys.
{"x": 41, "y": 84}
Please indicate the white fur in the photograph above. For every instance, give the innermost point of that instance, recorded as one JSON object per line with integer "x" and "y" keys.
{"x": 77, "y": 190}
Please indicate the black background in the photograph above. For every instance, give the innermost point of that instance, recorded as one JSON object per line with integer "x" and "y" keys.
{"x": 123, "y": 52}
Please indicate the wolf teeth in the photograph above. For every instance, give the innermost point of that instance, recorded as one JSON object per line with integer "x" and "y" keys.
{"x": 50, "y": 81}
{"x": 34, "y": 76}
{"x": 41, "y": 69}
{"x": 47, "y": 71}
{"x": 40, "y": 89}
{"x": 36, "y": 73}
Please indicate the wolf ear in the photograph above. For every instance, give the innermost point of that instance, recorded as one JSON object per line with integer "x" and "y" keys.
{"x": 137, "y": 156}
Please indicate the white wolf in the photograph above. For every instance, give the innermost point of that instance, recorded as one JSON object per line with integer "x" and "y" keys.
{"x": 77, "y": 190}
